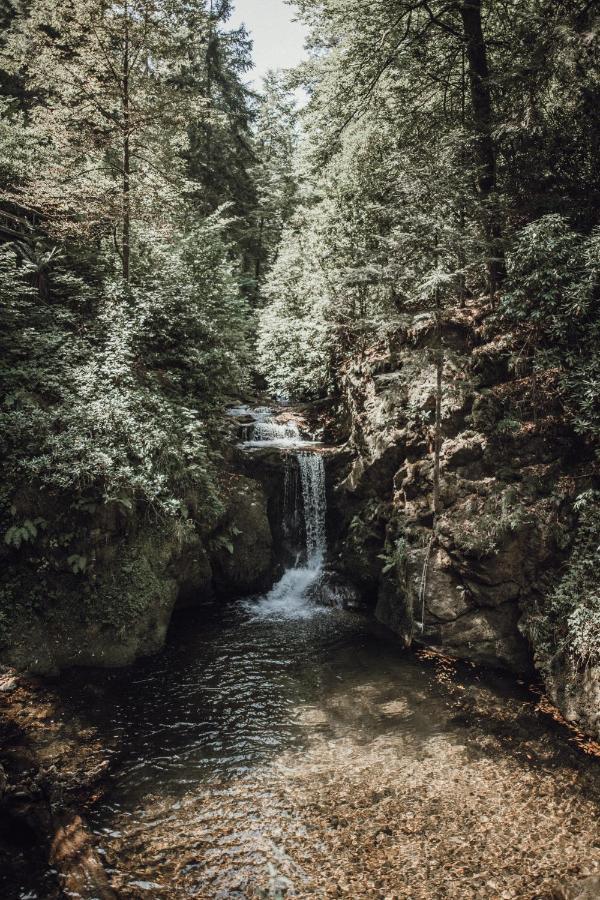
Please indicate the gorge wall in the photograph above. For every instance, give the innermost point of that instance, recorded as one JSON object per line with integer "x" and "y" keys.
{"x": 134, "y": 570}
{"x": 477, "y": 586}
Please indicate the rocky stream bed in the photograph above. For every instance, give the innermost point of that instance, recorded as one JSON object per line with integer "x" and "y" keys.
{"x": 285, "y": 743}
{"x": 277, "y": 751}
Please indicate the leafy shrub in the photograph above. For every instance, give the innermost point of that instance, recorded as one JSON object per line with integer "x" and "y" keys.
{"x": 395, "y": 557}
{"x": 552, "y": 296}
{"x": 571, "y": 617}
{"x": 109, "y": 393}
{"x": 502, "y": 516}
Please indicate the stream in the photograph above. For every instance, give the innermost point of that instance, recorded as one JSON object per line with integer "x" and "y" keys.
{"x": 279, "y": 747}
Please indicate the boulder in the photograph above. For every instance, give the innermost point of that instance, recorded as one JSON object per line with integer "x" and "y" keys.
{"x": 137, "y": 571}
{"x": 335, "y": 590}
{"x": 392, "y": 609}
{"x": 242, "y": 555}
{"x": 489, "y": 637}
{"x": 576, "y": 692}
{"x": 194, "y": 575}
{"x": 123, "y": 614}
{"x": 463, "y": 450}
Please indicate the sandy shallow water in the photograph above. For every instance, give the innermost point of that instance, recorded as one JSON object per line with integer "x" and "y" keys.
{"x": 264, "y": 757}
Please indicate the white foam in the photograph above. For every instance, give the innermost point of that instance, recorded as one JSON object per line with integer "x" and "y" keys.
{"x": 290, "y": 598}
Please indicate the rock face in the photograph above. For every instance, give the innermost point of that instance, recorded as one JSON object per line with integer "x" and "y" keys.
{"x": 138, "y": 572}
{"x": 576, "y": 692}
{"x": 278, "y": 475}
{"x": 243, "y": 560}
{"x": 475, "y": 585}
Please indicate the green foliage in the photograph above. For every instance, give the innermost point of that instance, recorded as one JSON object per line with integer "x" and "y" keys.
{"x": 395, "y": 557}
{"x": 275, "y": 144}
{"x": 502, "y": 517}
{"x": 395, "y": 213}
{"x": 545, "y": 269}
{"x": 25, "y": 533}
{"x": 569, "y": 619}
{"x": 220, "y": 154}
{"x": 77, "y": 563}
{"x": 225, "y": 539}
{"x": 292, "y": 341}
{"x": 552, "y": 297}
{"x": 114, "y": 411}
{"x": 192, "y": 325}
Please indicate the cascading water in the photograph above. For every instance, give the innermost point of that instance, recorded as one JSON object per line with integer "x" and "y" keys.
{"x": 304, "y": 508}
{"x": 266, "y": 432}
{"x": 312, "y": 476}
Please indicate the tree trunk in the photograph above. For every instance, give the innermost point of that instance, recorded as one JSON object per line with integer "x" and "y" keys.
{"x": 437, "y": 435}
{"x": 439, "y": 371}
{"x": 259, "y": 253}
{"x": 126, "y": 154}
{"x": 462, "y": 260}
{"x": 479, "y": 81}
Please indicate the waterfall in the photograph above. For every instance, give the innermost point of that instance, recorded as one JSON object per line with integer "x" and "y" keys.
{"x": 303, "y": 503}
{"x": 312, "y": 477}
{"x": 290, "y": 507}
{"x": 274, "y": 431}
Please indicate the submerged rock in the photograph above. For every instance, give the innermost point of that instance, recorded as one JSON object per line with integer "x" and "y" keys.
{"x": 335, "y": 590}
{"x": 575, "y": 889}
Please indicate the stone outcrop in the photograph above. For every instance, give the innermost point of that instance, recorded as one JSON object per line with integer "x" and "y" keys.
{"x": 137, "y": 572}
{"x": 576, "y": 692}
{"x": 242, "y": 558}
{"x": 473, "y": 585}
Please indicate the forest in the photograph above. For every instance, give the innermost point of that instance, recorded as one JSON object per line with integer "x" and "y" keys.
{"x": 328, "y": 341}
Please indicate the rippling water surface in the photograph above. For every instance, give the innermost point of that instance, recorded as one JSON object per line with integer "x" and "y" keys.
{"x": 278, "y": 748}
{"x": 236, "y": 685}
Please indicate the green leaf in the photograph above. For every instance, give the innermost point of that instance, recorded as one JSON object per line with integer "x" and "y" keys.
{"x": 77, "y": 564}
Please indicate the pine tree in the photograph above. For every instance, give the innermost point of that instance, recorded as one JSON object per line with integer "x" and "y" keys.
{"x": 276, "y": 139}
{"x": 109, "y": 117}
{"x": 220, "y": 156}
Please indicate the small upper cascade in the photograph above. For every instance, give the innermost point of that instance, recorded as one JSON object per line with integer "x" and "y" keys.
{"x": 262, "y": 428}
{"x": 274, "y": 431}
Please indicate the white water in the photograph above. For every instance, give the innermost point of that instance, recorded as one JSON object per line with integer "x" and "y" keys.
{"x": 312, "y": 475}
{"x": 291, "y": 597}
{"x": 267, "y": 432}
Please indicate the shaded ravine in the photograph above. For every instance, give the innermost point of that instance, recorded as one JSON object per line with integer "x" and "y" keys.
{"x": 279, "y": 747}
{"x": 277, "y": 751}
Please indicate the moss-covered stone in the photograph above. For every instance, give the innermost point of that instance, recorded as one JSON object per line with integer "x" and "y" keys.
{"x": 103, "y": 593}
{"x": 242, "y": 549}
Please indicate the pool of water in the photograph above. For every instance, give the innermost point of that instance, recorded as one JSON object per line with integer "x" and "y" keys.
{"x": 233, "y": 748}
{"x": 236, "y": 686}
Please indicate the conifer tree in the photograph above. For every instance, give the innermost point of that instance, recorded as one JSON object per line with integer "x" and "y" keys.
{"x": 109, "y": 114}
{"x": 276, "y": 138}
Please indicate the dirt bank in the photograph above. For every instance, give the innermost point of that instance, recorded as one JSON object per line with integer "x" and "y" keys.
{"x": 52, "y": 770}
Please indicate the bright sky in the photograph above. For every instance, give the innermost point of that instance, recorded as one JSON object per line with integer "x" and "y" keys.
{"x": 278, "y": 40}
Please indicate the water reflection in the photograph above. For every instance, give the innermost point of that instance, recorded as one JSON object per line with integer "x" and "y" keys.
{"x": 263, "y": 743}
{"x": 237, "y": 685}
